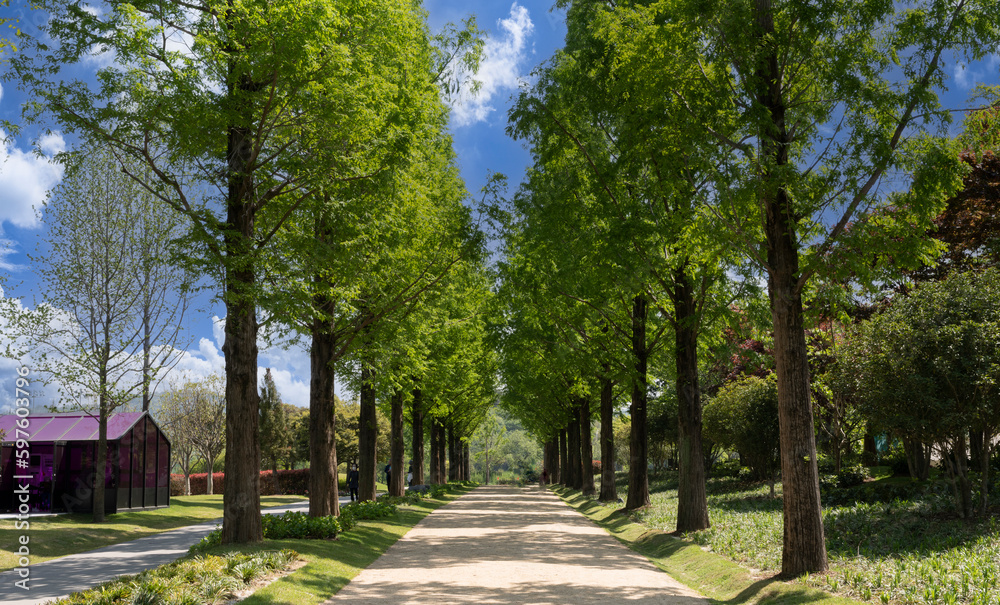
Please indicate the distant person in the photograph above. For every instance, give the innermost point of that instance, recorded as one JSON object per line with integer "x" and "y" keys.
{"x": 353, "y": 476}
{"x": 388, "y": 470}
{"x": 545, "y": 477}
{"x": 409, "y": 474}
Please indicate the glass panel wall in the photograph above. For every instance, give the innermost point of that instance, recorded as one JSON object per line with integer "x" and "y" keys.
{"x": 138, "y": 439}
{"x": 162, "y": 471}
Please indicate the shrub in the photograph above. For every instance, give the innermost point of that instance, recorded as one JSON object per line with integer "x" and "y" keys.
{"x": 726, "y": 468}
{"x": 199, "y": 484}
{"x": 298, "y": 525}
{"x": 596, "y": 466}
{"x": 744, "y": 416}
{"x": 407, "y": 498}
{"x": 289, "y": 482}
{"x": 193, "y": 581}
{"x": 368, "y": 510}
{"x": 849, "y": 477}
{"x": 291, "y": 525}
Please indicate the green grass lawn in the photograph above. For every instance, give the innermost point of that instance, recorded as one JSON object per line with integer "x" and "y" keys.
{"x": 904, "y": 551}
{"x": 61, "y": 535}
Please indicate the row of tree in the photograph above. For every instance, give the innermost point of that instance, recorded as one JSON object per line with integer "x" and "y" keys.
{"x": 301, "y": 147}
{"x": 687, "y": 151}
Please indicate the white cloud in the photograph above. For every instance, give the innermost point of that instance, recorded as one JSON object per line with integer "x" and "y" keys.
{"x": 52, "y": 143}
{"x": 7, "y": 248}
{"x": 25, "y": 178}
{"x": 500, "y": 69}
{"x": 969, "y": 76}
{"x": 291, "y": 389}
{"x": 290, "y": 364}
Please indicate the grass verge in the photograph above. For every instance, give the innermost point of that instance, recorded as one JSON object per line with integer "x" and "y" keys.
{"x": 717, "y": 578}
{"x": 331, "y": 564}
{"x": 61, "y": 535}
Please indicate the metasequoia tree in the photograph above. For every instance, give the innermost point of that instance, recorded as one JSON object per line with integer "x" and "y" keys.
{"x": 94, "y": 334}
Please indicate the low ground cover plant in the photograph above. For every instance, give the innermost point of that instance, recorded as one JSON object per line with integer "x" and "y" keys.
{"x": 888, "y": 542}
{"x": 198, "y": 580}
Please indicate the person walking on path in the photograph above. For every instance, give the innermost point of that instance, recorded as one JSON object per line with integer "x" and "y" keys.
{"x": 505, "y": 544}
{"x": 353, "y": 478}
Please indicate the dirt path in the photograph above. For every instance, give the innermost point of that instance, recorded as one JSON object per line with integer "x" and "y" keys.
{"x": 511, "y": 545}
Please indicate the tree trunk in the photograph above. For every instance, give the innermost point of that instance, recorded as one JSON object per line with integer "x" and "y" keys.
{"x": 638, "y": 473}
{"x": 609, "y": 492}
{"x": 397, "y": 446}
{"x": 453, "y": 465}
{"x": 367, "y": 436}
{"x": 441, "y": 451}
{"x": 804, "y": 548}
{"x": 573, "y": 442}
{"x": 586, "y": 447}
{"x": 101, "y": 458}
{"x": 984, "y": 463}
{"x": 692, "y": 500}
{"x": 976, "y": 445}
{"x": 323, "y": 480}
{"x": 917, "y": 458}
{"x": 869, "y": 452}
{"x": 467, "y": 460}
{"x": 241, "y": 521}
{"x": 210, "y": 478}
{"x": 564, "y": 471}
{"x": 434, "y": 478}
{"x": 418, "y": 437}
{"x": 274, "y": 474}
{"x": 437, "y": 477}
{"x": 147, "y": 333}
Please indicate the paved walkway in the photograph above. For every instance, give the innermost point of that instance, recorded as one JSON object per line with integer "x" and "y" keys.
{"x": 511, "y": 545}
{"x": 60, "y": 577}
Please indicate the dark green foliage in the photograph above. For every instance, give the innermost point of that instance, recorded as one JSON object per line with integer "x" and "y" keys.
{"x": 850, "y": 477}
{"x": 351, "y": 513}
{"x": 744, "y": 416}
{"x": 288, "y": 525}
{"x": 299, "y": 525}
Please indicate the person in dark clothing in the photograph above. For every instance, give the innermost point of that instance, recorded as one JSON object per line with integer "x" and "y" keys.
{"x": 388, "y": 470}
{"x": 353, "y": 476}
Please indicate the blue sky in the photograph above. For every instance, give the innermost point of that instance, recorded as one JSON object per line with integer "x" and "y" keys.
{"x": 521, "y": 35}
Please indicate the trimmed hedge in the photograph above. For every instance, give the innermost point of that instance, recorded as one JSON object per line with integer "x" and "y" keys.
{"x": 289, "y": 482}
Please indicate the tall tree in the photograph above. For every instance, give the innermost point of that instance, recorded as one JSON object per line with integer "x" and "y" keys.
{"x": 275, "y": 439}
{"x": 206, "y": 407}
{"x": 93, "y": 334}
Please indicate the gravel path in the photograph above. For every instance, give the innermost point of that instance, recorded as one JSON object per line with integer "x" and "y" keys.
{"x": 511, "y": 545}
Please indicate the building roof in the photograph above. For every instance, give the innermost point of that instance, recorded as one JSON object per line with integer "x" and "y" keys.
{"x": 70, "y": 426}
